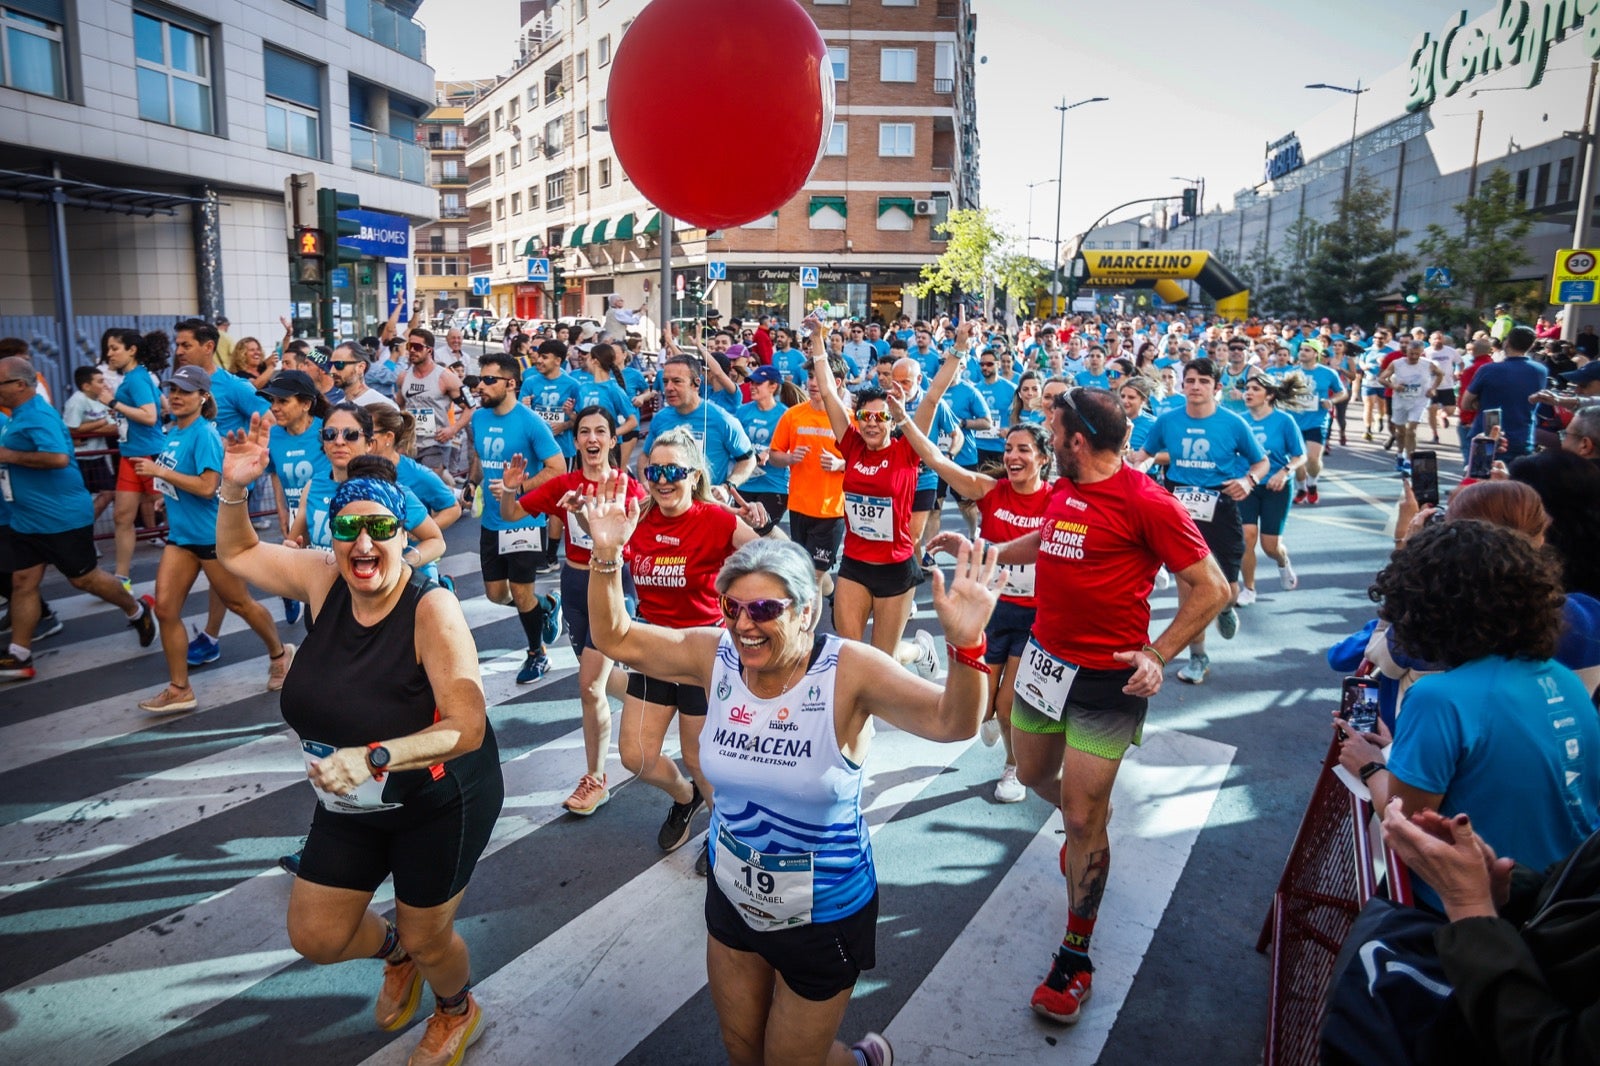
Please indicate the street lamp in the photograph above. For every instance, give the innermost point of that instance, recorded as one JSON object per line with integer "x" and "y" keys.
{"x": 1061, "y": 162}
{"x": 1349, "y": 166}
{"x": 1032, "y": 185}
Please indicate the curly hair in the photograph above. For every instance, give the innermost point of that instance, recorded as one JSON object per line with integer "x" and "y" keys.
{"x": 1463, "y": 590}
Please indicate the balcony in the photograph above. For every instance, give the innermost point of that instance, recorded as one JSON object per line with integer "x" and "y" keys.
{"x": 454, "y": 212}
{"x": 450, "y": 179}
{"x": 481, "y": 185}
{"x": 386, "y": 26}
{"x": 480, "y": 233}
{"x": 944, "y": 85}
{"x": 379, "y": 153}
{"x": 948, "y": 9}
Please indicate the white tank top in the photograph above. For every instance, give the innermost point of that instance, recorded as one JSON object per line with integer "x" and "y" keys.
{"x": 427, "y": 403}
{"x": 784, "y": 791}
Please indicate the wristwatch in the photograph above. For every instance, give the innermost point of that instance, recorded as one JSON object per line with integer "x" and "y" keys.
{"x": 1369, "y": 769}
{"x": 377, "y": 760}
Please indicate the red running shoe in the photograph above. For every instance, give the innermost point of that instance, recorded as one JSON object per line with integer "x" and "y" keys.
{"x": 1062, "y": 995}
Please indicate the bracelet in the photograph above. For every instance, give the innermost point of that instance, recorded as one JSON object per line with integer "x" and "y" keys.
{"x": 1150, "y": 649}
{"x": 605, "y": 566}
{"x": 970, "y": 657}
{"x": 232, "y": 503}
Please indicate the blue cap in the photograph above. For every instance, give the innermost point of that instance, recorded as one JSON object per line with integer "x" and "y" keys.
{"x": 766, "y": 375}
{"x": 1586, "y": 373}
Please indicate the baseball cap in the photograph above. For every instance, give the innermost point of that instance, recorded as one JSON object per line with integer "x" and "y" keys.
{"x": 190, "y": 379}
{"x": 321, "y": 356}
{"x": 287, "y": 383}
{"x": 1586, "y": 373}
{"x": 765, "y": 375}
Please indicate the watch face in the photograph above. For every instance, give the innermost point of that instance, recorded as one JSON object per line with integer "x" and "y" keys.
{"x": 378, "y": 757}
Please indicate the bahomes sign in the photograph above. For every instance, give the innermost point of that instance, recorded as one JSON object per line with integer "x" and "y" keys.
{"x": 1514, "y": 33}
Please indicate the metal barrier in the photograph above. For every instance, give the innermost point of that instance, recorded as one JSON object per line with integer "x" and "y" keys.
{"x": 263, "y": 504}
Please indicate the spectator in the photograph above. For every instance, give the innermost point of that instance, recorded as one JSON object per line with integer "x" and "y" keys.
{"x": 1507, "y": 386}
{"x": 94, "y": 429}
{"x": 382, "y": 373}
{"x": 1569, "y": 485}
{"x": 619, "y": 318}
{"x": 1582, "y": 435}
{"x": 251, "y": 362}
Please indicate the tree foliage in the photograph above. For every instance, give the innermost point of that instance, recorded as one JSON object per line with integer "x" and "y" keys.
{"x": 1483, "y": 254}
{"x": 1354, "y": 260}
{"x": 979, "y": 252}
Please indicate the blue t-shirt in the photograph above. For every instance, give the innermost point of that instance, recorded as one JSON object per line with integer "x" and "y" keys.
{"x": 1141, "y": 430}
{"x": 728, "y": 401}
{"x": 547, "y": 398}
{"x": 929, "y": 361}
{"x": 1229, "y": 383}
{"x": 1325, "y": 385}
{"x": 5, "y": 502}
{"x": 1205, "y": 452}
{"x": 1512, "y": 742}
{"x": 192, "y": 518}
{"x": 1278, "y": 436}
{"x": 607, "y": 395}
{"x": 43, "y": 501}
{"x": 296, "y": 459}
{"x": 1507, "y": 385}
{"x": 139, "y": 388}
{"x": 427, "y": 486}
{"x": 760, "y": 425}
{"x": 319, "y": 496}
{"x": 1090, "y": 380}
{"x": 791, "y": 363}
{"x": 633, "y": 380}
{"x": 497, "y": 438}
{"x": 236, "y": 401}
{"x": 942, "y": 431}
{"x": 998, "y": 395}
{"x": 967, "y": 403}
{"x": 721, "y": 436}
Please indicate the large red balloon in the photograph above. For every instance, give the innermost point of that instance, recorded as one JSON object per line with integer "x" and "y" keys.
{"x": 693, "y": 76}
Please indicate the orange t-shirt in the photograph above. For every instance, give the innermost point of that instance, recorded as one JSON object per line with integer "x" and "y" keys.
{"x": 813, "y": 491}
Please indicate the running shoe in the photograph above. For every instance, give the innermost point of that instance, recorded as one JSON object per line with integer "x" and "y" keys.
{"x": 1311, "y": 495}
{"x": 1008, "y": 789}
{"x": 1402, "y": 465}
{"x": 1247, "y": 596}
{"x": 552, "y": 617}
{"x": 1389, "y": 443}
{"x": 1062, "y": 995}
{"x": 1195, "y": 670}
{"x": 127, "y": 584}
{"x": 290, "y": 863}
{"x": 49, "y": 625}
{"x": 202, "y": 649}
{"x": 533, "y": 668}
{"x": 1369, "y": 436}
{"x": 702, "y": 861}
{"x": 675, "y": 830}
{"x": 447, "y": 582}
{"x": 1299, "y": 495}
{"x": 399, "y": 995}
{"x": 170, "y": 701}
{"x": 278, "y": 669}
{"x": 157, "y": 541}
{"x": 1228, "y": 623}
{"x": 928, "y": 561}
{"x": 1436, "y": 438}
{"x": 145, "y": 624}
{"x": 1163, "y": 579}
{"x": 590, "y": 795}
{"x": 926, "y": 664}
{"x": 1288, "y": 578}
{"x": 448, "y": 1036}
{"x": 875, "y": 1049}
{"x": 291, "y": 611}
{"x": 989, "y": 732}
{"x": 15, "y": 669}
{"x": 549, "y": 566}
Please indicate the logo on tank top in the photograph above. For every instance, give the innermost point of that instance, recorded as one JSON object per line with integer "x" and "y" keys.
{"x": 724, "y": 687}
{"x": 813, "y": 700}
{"x": 741, "y": 715}
{"x": 781, "y": 724}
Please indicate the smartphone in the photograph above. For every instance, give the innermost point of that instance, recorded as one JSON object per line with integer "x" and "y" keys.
{"x": 1425, "y": 478}
{"x": 1480, "y": 457}
{"x": 1358, "y": 703}
{"x": 1491, "y": 420}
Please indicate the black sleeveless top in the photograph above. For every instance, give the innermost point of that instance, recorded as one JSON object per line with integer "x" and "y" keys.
{"x": 353, "y": 684}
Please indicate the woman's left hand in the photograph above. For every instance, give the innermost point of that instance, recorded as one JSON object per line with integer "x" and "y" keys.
{"x": 965, "y": 608}
{"x": 897, "y": 407}
{"x": 612, "y": 516}
{"x": 342, "y": 772}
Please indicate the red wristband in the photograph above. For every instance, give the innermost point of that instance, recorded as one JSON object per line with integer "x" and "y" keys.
{"x": 970, "y": 657}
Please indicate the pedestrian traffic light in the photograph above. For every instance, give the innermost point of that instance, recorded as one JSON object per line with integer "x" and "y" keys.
{"x": 1408, "y": 290}
{"x": 330, "y": 227}
{"x": 696, "y": 288}
{"x": 1191, "y": 198}
{"x": 558, "y": 282}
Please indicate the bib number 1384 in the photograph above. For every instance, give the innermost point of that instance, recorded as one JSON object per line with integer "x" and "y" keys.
{"x": 1045, "y": 680}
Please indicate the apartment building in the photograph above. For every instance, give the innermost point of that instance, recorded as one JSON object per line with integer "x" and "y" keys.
{"x": 442, "y": 263}
{"x": 545, "y": 181}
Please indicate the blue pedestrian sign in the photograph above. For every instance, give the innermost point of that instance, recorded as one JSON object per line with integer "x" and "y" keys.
{"x": 716, "y": 271}
{"x": 480, "y": 285}
{"x": 808, "y": 277}
{"x": 1576, "y": 292}
{"x": 539, "y": 270}
{"x": 1438, "y": 278}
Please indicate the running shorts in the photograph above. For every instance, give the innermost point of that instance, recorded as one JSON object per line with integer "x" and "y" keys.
{"x": 1099, "y": 718}
{"x": 1267, "y": 510}
{"x": 1008, "y": 631}
{"x": 883, "y": 580}
{"x": 820, "y": 537}
{"x": 817, "y": 961}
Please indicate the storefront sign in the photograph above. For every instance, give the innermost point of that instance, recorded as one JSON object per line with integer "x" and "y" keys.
{"x": 825, "y": 276}
{"x": 382, "y": 236}
{"x": 1284, "y": 156}
{"x": 1513, "y": 33}
{"x": 397, "y": 286}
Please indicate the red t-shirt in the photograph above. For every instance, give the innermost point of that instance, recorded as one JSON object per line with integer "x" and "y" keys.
{"x": 1007, "y": 515}
{"x": 546, "y": 499}
{"x": 879, "y": 489}
{"x": 1389, "y": 357}
{"x": 1102, "y": 544}
{"x": 675, "y": 562}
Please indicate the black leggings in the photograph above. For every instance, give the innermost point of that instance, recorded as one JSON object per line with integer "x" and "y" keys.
{"x": 1339, "y": 410}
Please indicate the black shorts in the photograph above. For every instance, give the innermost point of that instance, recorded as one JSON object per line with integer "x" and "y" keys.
{"x": 98, "y": 474}
{"x": 519, "y": 568}
{"x": 689, "y": 699}
{"x": 203, "y": 552}
{"x": 926, "y": 499}
{"x": 575, "y": 604}
{"x": 817, "y": 961}
{"x": 6, "y": 564}
{"x": 820, "y": 537}
{"x": 1443, "y": 398}
{"x": 1313, "y": 436}
{"x": 1009, "y": 628}
{"x": 1224, "y": 535}
{"x": 430, "y": 845}
{"x": 776, "y": 503}
{"x": 70, "y": 551}
{"x": 883, "y": 580}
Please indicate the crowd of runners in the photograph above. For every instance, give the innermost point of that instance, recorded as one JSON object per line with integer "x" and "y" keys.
{"x": 732, "y": 529}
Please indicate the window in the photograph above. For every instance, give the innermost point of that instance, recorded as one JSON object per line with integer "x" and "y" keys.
{"x": 173, "y": 72}
{"x": 553, "y": 138}
{"x": 1564, "y": 180}
{"x": 1541, "y": 185}
{"x": 896, "y": 139}
{"x": 499, "y": 118}
{"x": 769, "y": 222}
{"x": 838, "y": 139}
{"x": 513, "y": 106}
{"x": 581, "y": 10}
{"x": 896, "y": 212}
{"x": 582, "y": 180}
{"x": 605, "y": 112}
{"x": 533, "y": 198}
{"x": 450, "y": 201}
{"x": 839, "y": 56}
{"x": 899, "y": 64}
{"x": 516, "y": 155}
{"x": 499, "y": 209}
{"x": 580, "y": 65}
{"x": 581, "y": 121}
{"x": 499, "y": 253}
{"x": 533, "y": 96}
{"x": 605, "y": 173}
{"x": 830, "y": 3}
{"x": 516, "y": 203}
{"x": 555, "y": 191}
{"x": 1522, "y": 187}
{"x": 436, "y": 242}
{"x": 602, "y": 51}
{"x": 450, "y": 169}
{"x": 31, "y": 54}
{"x": 944, "y": 67}
{"x": 294, "y": 104}
{"x": 899, "y": 3}
{"x": 500, "y": 163}
{"x": 828, "y": 212}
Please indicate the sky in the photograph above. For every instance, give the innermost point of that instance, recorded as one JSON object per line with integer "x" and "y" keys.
{"x": 1195, "y": 89}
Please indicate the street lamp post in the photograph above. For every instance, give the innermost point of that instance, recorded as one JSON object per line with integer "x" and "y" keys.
{"x": 1032, "y": 185}
{"x": 1061, "y": 164}
{"x": 1355, "y": 114}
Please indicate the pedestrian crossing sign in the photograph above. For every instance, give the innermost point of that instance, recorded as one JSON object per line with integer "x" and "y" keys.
{"x": 808, "y": 277}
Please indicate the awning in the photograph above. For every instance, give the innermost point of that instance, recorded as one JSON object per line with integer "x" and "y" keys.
{"x": 654, "y": 225}
{"x": 43, "y": 189}
{"x": 528, "y": 250}
{"x": 835, "y": 202}
{"x": 598, "y": 234}
{"x": 890, "y": 203}
{"x": 575, "y": 238}
{"x": 624, "y": 230}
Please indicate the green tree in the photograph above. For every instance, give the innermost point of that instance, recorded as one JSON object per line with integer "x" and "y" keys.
{"x": 1483, "y": 254}
{"x": 1355, "y": 260}
{"x": 1278, "y": 282}
{"x": 978, "y": 251}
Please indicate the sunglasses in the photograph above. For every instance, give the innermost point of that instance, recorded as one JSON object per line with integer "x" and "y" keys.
{"x": 349, "y": 436}
{"x": 869, "y": 417}
{"x": 1068, "y": 399}
{"x": 340, "y": 364}
{"x": 416, "y": 347}
{"x": 759, "y": 611}
{"x": 492, "y": 379}
{"x": 669, "y": 471}
{"x": 348, "y": 527}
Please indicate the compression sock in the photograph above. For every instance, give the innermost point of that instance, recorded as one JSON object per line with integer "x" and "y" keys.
{"x": 391, "y": 952}
{"x": 456, "y": 1004}
{"x": 533, "y": 625}
{"x": 1075, "y": 945}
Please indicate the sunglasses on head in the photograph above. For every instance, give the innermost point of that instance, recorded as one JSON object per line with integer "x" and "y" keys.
{"x": 349, "y": 436}
{"x": 667, "y": 471}
{"x": 759, "y": 611}
{"x": 348, "y": 527}
{"x": 869, "y": 417}
{"x": 1069, "y": 399}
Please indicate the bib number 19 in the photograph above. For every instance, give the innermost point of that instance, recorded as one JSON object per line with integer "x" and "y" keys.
{"x": 761, "y": 881}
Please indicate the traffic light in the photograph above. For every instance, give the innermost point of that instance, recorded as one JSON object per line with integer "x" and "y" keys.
{"x": 696, "y": 288}
{"x": 330, "y": 227}
{"x": 1408, "y": 290}
{"x": 558, "y": 282}
{"x": 1191, "y": 198}
{"x": 308, "y": 255}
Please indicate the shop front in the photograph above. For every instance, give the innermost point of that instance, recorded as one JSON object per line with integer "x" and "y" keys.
{"x": 865, "y": 294}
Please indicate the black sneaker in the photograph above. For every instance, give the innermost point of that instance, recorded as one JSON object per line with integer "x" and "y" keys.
{"x": 49, "y": 625}
{"x": 702, "y": 861}
{"x": 291, "y": 863}
{"x": 15, "y": 669}
{"x": 549, "y": 566}
{"x": 5, "y": 623}
{"x": 675, "y": 830}
{"x": 146, "y": 622}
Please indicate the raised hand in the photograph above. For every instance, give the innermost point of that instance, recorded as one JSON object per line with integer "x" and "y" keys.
{"x": 612, "y": 516}
{"x": 515, "y": 472}
{"x": 245, "y": 455}
{"x": 964, "y": 608}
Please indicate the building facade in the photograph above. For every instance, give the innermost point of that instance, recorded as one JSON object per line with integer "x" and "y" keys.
{"x": 442, "y": 262}
{"x": 545, "y": 181}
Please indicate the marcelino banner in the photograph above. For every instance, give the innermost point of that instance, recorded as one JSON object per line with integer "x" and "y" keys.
{"x": 1515, "y": 33}
{"x": 1157, "y": 270}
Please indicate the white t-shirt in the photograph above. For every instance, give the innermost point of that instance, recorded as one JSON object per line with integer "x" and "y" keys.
{"x": 82, "y": 408}
{"x": 1448, "y": 360}
{"x": 370, "y": 398}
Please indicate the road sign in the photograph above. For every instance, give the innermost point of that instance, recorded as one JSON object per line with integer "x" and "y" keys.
{"x": 539, "y": 270}
{"x": 1438, "y": 278}
{"x": 716, "y": 271}
{"x": 680, "y": 283}
{"x": 808, "y": 277}
{"x": 1575, "y": 277}
{"x": 480, "y": 285}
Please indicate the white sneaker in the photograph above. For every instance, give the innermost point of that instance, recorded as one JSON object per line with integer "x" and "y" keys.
{"x": 989, "y": 732}
{"x": 1247, "y": 596}
{"x": 926, "y": 664}
{"x": 1008, "y": 789}
{"x": 1287, "y": 577}
{"x": 1163, "y": 579}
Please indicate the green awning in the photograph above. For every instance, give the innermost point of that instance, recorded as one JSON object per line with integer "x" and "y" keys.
{"x": 575, "y": 238}
{"x": 528, "y": 250}
{"x": 624, "y": 231}
{"x": 890, "y": 203}
{"x": 654, "y": 225}
{"x": 835, "y": 202}
{"x": 598, "y": 234}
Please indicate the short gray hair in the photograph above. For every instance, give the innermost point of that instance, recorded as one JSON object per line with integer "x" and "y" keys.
{"x": 782, "y": 559}
{"x": 1586, "y": 423}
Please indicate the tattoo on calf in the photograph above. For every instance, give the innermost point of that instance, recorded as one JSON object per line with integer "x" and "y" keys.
{"x": 1092, "y": 885}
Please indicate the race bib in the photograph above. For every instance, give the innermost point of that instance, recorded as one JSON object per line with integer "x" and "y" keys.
{"x": 521, "y": 540}
{"x": 986, "y": 434}
{"x": 1408, "y": 388}
{"x": 5, "y": 484}
{"x": 165, "y": 488}
{"x": 1045, "y": 680}
{"x": 1018, "y": 580}
{"x": 122, "y": 429}
{"x": 577, "y": 536}
{"x": 552, "y": 417}
{"x": 769, "y": 891}
{"x": 869, "y": 517}
{"x": 427, "y": 421}
{"x": 367, "y": 797}
{"x": 1200, "y": 503}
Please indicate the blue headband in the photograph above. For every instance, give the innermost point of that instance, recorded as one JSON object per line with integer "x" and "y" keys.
{"x": 385, "y": 494}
